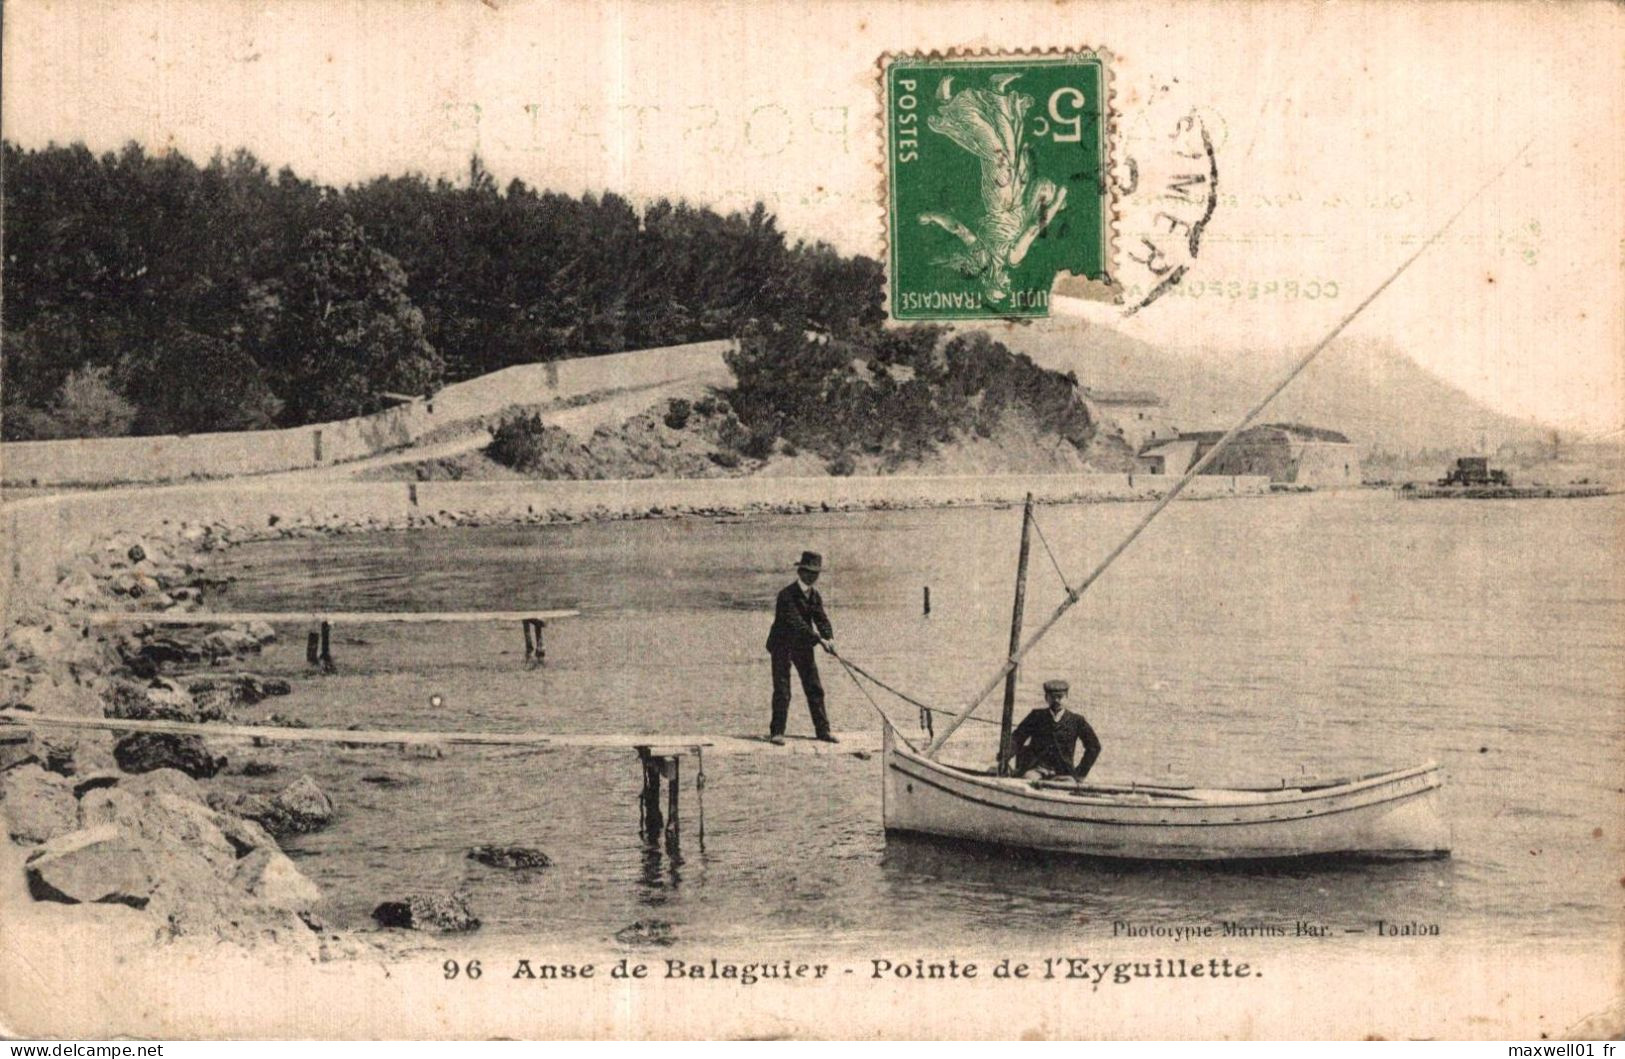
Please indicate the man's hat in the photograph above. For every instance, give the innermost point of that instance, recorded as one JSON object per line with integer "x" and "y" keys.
{"x": 811, "y": 561}
{"x": 1057, "y": 685}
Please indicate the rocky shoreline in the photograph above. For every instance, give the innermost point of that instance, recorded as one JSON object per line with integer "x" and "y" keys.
{"x": 144, "y": 826}
{"x": 148, "y": 835}
{"x": 154, "y": 829}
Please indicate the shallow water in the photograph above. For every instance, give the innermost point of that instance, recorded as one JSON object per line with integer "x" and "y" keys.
{"x": 1241, "y": 641}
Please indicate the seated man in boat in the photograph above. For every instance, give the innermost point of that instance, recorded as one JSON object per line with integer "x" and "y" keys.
{"x": 1046, "y": 740}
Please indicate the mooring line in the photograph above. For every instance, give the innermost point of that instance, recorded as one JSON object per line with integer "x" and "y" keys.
{"x": 885, "y": 720}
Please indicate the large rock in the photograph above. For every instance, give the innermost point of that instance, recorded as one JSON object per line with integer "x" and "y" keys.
{"x": 39, "y": 805}
{"x": 442, "y": 912}
{"x": 245, "y": 836}
{"x": 80, "y": 588}
{"x": 161, "y": 819}
{"x": 305, "y": 805}
{"x": 219, "y": 692}
{"x": 158, "y": 650}
{"x": 54, "y": 751}
{"x": 89, "y": 753}
{"x": 261, "y": 631}
{"x": 222, "y": 643}
{"x": 159, "y": 699}
{"x": 137, "y": 584}
{"x": 299, "y": 808}
{"x": 16, "y": 748}
{"x": 516, "y": 858}
{"x": 14, "y": 685}
{"x": 164, "y": 781}
{"x": 146, "y": 751}
{"x": 268, "y": 875}
{"x": 99, "y": 865}
{"x": 35, "y": 646}
{"x": 56, "y": 694}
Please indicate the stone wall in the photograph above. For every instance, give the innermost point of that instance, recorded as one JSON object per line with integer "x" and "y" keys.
{"x": 97, "y": 461}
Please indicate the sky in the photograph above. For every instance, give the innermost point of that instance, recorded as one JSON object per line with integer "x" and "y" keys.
{"x": 1343, "y": 134}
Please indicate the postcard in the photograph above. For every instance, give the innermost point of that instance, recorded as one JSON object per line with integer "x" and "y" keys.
{"x": 812, "y": 520}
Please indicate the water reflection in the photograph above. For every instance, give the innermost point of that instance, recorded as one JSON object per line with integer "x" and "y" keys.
{"x": 1026, "y": 886}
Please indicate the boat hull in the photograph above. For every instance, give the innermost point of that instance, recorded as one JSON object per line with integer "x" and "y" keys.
{"x": 1395, "y": 814}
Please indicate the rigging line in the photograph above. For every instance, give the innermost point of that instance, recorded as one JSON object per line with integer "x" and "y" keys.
{"x": 885, "y": 720}
{"x": 1053, "y": 561}
{"x": 973, "y": 720}
{"x": 882, "y": 684}
{"x": 1073, "y": 595}
{"x": 853, "y": 666}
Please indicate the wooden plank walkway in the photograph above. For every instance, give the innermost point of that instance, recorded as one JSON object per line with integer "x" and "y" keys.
{"x": 655, "y": 742}
{"x": 335, "y": 617}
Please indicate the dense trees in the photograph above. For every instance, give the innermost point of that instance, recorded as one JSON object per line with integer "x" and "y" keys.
{"x": 894, "y": 393}
{"x": 182, "y": 298}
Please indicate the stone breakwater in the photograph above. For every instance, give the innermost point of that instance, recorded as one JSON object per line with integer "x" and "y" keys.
{"x": 149, "y": 826}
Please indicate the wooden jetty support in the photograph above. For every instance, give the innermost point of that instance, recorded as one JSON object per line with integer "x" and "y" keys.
{"x": 319, "y": 642}
{"x": 658, "y": 754}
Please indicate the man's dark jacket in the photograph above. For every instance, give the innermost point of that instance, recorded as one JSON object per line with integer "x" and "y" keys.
{"x": 799, "y": 619}
{"x": 1041, "y": 740}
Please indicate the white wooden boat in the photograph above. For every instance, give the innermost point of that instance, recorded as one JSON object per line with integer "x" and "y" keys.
{"x": 1390, "y": 814}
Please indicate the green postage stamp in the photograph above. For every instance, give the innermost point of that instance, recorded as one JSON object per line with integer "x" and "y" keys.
{"x": 997, "y": 181}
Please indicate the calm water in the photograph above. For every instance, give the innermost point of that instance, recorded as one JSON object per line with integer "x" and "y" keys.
{"x": 1240, "y": 641}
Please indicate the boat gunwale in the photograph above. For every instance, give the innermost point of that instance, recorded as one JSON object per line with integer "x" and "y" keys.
{"x": 1058, "y": 797}
{"x": 1268, "y": 821}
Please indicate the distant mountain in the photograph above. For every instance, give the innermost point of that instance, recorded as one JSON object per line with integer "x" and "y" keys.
{"x": 1371, "y": 391}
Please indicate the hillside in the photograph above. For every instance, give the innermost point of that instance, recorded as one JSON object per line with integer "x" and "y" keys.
{"x": 896, "y": 401}
{"x": 1373, "y": 392}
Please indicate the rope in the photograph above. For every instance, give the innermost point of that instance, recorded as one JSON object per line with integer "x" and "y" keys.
{"x": 854, "y": 670}
{"x": 887, "y": 721}
{"x": 1053, "y": 561}
{"x": 854, "y": 667}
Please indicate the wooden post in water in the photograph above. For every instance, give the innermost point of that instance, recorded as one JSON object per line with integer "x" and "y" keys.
{"x": 672, "y": 767}
{"x": 1015, "y": 636}
{"x": 535, "y": 648}
{"x": 650, "y": 823}
{"x": 653, "y": 824}
{"x": 313, "y": 648}
{"x": 699, "y": 791}
{"x": 327, "y": 646}
{"x": 927, "y": 601}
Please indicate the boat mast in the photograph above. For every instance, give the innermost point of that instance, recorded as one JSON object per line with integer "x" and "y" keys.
{"x": 1015, "y": 636}
{"x": 1073, "y": 595}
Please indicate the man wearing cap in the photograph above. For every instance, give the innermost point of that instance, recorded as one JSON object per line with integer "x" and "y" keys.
{"x": 799, "y": 625}
{"x": 1047, "y": 739}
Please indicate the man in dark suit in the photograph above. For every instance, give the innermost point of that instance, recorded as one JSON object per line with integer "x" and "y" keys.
{"x": 799, "y": 625}
{"x": 1047, "y": 739}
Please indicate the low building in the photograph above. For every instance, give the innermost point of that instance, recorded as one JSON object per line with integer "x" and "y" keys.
{"x": 1289, "y": 453}
{"x": 1169, "y": 457}
{"x": 1140, "y": 415}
